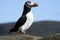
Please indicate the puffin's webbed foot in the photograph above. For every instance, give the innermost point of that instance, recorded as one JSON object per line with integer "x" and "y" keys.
{"x": 21, "y": 33}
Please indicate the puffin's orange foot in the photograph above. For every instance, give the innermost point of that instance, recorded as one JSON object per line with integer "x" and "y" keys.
{"x": 21, "y": 33}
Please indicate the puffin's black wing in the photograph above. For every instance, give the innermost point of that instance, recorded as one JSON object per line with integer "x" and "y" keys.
{"x": 18, "y": 24}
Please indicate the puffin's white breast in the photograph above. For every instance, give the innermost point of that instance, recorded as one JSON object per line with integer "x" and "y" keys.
{"x": 28, "y": 22}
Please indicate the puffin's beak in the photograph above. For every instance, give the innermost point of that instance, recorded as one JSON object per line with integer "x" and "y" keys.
{"x": 34, "y": 5}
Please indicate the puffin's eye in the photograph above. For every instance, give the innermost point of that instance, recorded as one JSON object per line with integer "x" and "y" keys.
{"x": 28, "y": 2}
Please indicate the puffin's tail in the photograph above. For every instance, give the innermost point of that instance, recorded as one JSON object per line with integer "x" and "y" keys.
{"x": 12, "y": 30}
{"x": 9, "y": 33}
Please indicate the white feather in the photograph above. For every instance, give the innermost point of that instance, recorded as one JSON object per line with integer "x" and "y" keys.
{"x": 28, "y": 22}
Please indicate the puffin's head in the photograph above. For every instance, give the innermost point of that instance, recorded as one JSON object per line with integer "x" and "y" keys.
{"x": 30, "y": 4}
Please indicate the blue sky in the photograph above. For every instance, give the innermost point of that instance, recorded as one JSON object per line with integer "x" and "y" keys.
{"x": 11, "y": 10}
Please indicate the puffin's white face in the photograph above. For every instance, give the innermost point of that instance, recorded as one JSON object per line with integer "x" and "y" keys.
{"x": 30, "y": 4}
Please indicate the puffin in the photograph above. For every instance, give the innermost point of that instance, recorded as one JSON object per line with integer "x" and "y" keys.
{"x": 26, "y": 20}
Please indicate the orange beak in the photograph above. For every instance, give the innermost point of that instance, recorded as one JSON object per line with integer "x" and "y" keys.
{"x": 35, "y": 5}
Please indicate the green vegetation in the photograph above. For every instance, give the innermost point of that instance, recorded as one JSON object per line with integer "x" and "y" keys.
{"x": 17, "y": 37}
{"x": 52, "y": 37}
{"x": 28, "y": 37}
